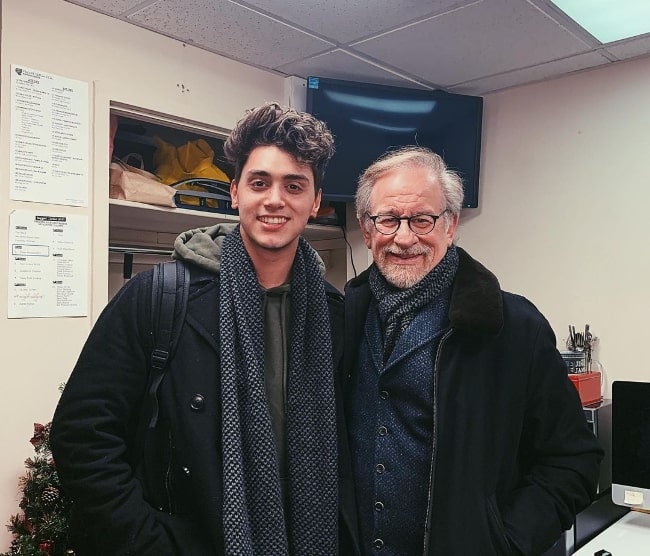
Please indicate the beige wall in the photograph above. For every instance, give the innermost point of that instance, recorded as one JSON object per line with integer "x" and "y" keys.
{"x": 564, "y": 204}
{"x": 122, "y": 63}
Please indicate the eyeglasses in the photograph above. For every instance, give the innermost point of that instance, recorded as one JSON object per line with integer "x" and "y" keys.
{"x": 419, "y": 224}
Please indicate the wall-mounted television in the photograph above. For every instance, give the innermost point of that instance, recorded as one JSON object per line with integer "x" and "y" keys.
{"x": 368, "y": 119}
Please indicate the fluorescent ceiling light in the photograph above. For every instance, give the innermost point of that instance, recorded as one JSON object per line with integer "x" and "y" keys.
{"x": 609, "y": 20}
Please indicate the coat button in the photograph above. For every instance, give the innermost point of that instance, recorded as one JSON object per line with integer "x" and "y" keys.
{"x": 197, "y": 402}
{"x": 378, "y": 544}
{"x": 383, "y": 395}
{"x": 379, "y": 506}
{"x": 382, "y": 431}
{"x": 380, "y": 468}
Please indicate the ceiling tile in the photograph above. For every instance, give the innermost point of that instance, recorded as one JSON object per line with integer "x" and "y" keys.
{"x": 631, "y": 48}
{"x": 479, "y": 40}
{"x": 338, "y": 64}
{"x": 472, "y": 46}
{"x": 345, "y": 20}
{"x": 529, "y": 75}
{"x": 110, "y": 7}
{"x": 230, "y": 29}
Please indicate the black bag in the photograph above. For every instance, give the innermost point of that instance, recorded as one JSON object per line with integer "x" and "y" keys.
{"x": 169, "y": 295}
{"x": 168, "y": 310}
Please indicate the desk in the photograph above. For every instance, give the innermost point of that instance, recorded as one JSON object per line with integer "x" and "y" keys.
{"x": 629, "y": 536}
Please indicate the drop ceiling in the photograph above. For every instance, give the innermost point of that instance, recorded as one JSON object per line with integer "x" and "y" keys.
{"x": 471, "y": 47}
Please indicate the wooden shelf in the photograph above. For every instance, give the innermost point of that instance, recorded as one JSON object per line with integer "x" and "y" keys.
{"x": 150, "y": 218}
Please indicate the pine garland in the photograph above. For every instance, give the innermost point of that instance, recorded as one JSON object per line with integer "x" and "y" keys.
{"x": 41, "y": 527}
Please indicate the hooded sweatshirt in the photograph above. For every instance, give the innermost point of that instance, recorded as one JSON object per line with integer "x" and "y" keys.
{"x": 202, "y": 247}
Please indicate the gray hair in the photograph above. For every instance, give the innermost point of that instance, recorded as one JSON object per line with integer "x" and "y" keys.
{"x": 409, "y": 157}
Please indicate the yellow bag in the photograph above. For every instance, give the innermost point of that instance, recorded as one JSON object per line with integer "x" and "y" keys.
{"x": 194, "y": 159}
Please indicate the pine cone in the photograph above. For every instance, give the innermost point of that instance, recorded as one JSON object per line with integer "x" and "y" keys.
{"x": 50, "y": 496}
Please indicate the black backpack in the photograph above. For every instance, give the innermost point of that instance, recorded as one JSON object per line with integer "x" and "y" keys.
{"x": 169, "y": 294}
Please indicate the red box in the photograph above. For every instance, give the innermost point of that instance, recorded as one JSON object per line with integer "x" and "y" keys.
{"x": 588, "y": 385}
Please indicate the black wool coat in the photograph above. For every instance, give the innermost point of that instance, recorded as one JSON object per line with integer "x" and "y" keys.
{"x": 513, "y": 459}
{"x": 157, "y": 493}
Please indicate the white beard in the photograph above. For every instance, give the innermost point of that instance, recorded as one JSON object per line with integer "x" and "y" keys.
{"x": 400, "y": 276}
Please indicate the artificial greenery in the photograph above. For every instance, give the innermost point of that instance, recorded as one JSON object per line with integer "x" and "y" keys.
{"x": 41, "y": 527}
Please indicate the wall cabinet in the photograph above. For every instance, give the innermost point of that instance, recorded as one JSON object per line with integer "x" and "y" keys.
{"x": 151, "y": 230}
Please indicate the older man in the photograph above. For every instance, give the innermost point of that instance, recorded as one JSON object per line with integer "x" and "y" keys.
{"x": 467, "y": 436}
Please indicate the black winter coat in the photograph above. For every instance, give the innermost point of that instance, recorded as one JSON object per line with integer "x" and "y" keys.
{"x": 160, "y": 495}
{"x": 513, "y": 459}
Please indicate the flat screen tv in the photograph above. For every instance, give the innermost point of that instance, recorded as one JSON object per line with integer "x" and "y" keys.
{"x": 631, "y": 444}
{"x": 367, "y": 120}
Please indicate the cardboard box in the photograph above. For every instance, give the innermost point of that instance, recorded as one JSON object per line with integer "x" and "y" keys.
{"x": 588, "y": 385}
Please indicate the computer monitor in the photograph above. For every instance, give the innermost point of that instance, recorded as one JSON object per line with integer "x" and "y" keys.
{"x": 631, "y": 444}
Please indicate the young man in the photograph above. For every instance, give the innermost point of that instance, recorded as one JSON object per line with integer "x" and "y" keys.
{"x": 467, "y": 436}
{"x": 243, "y": 459}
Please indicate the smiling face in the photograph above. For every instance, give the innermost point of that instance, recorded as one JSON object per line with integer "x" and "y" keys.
{"x": 404, "y": 258}
{"x": 276, "y": 197}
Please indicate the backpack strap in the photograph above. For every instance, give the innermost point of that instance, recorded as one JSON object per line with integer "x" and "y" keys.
{"x": 169, "y": 296}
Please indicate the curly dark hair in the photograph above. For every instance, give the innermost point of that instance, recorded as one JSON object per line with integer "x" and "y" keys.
{"x": 298, "y": 133}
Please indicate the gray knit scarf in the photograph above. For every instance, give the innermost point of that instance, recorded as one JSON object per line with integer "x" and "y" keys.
{"x": 253, "y": 518}
{"x": 398, "y": 307}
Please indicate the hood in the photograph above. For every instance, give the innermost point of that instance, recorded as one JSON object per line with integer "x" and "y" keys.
{"x": 202, "y": 247}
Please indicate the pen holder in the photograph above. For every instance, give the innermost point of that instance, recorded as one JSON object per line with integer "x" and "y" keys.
{"x": 575, "y": 361}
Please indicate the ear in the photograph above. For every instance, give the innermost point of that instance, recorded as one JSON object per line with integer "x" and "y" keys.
{"x": 449, "y": 232}
{"x": 317, "y": 200}
{"x": 233, "y": 194}
{"x": 365, "y": 230}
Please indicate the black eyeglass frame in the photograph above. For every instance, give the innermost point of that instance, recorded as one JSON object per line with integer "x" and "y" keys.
{"x": 399, "y": 219}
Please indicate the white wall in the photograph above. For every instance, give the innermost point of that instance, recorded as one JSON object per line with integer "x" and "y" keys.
{"x": 125, "y": 64}
{"x": 564, "y": 203}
